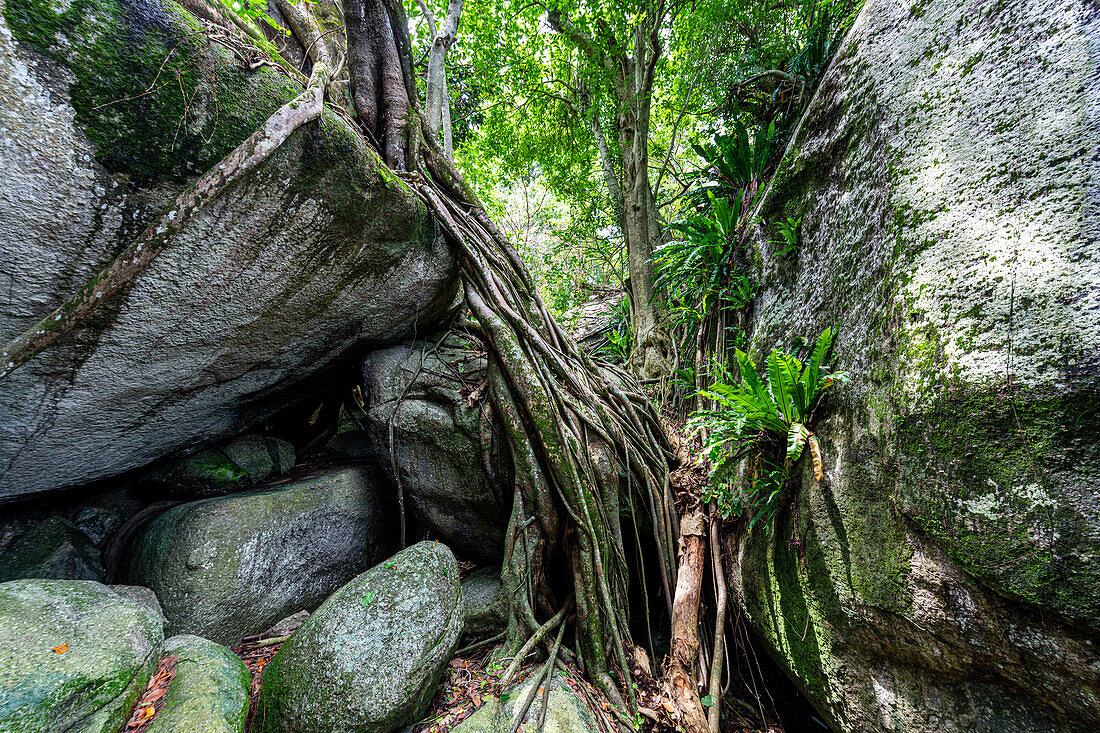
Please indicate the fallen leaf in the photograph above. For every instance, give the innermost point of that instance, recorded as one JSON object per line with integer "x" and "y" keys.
{"x": 61, "y": 648}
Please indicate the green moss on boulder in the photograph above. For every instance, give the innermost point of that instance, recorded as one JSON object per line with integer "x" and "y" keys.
{"x": 74, "y": 656}
{"x": 370, "y": 658}
{"x": 944, "y": 574}
{"x": 209, "y": 692}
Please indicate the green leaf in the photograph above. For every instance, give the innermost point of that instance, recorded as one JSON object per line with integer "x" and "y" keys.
{"x": 368, "y": 598}
{"x": 750, "y": 377}
{"x": 780, "y": 389}
{"x": 813, "y": 370}
{"x": 707, "y": 701}
{"x": 796, "y": 438}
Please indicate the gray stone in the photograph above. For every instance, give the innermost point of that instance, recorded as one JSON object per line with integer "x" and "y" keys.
{"x": 88, "y": 686}
{"x": 436, "y": 435}
{"x": 565, "y": 712}
{"x": 230, "y": 468}
{"x": 352, "y": 443}
{"x": 97, "y": 522}
{"x": 209, "y": 692}
{"x": 945, "y": 174}
{"x": 53, "y": 548}
{"x": 139, "y": 594}
{"x": 227, "y": 567}
{"x": 370, "y": 658}
{"x": 319, "y": 249}
{"x": 483, "y": 603}
{"x": 288, "y": 625}
{"x": 201, "y": 475}
{"x": 260, "y": 455}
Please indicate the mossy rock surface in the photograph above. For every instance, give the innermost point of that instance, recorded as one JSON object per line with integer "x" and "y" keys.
{"x": 370, "y": 658}
{"x": 437, "y": 443}
{"x": 74, "y": 656}
{"x": 236, "y": 466}
{"x": 483, "y": 601}
{"x": 318, "y": 251}
{"x": 209, "y": 692}
{"x": 53, "y": 548}
{"x": 227, "y": 567}
{"x": 565, "y": 711}
{"x": 945, "y": 574}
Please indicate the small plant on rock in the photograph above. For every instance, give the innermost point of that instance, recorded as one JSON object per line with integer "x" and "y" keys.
{"x": 788, "y": 241}
{"x": 768, "y": 420}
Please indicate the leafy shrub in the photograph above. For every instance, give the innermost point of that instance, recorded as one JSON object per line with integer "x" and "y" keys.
{"x": 736, "y": 163}
{"x": 769, "y": 420}
{"x": 620, "y": 336}
{"x": 695, "y": 267}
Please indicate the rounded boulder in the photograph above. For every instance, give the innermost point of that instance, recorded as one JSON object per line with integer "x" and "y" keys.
{"x": 370, "y": 658}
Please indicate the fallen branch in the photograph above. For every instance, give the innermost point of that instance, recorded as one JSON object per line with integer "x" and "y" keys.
{"x": 248, "y": 156}
{"x": 271, "y": 641}
{"x": 715, "y": 690}
{"x": 678, "y": 683}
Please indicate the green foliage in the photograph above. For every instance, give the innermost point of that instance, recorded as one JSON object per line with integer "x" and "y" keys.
{"x": 737, "y": 161}
{"x": 788, "y": 231}
{"x": 618, "y": 348}
{"x": 695, "y": 268}
{"x": 773, "y": 411}
{"x": 253, "y": 10}
{"x": 620, "y": 337}
{"x": 821, "y": 40}
{"x": 567, "y": 251}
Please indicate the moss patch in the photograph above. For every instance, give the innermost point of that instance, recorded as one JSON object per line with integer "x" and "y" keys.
{"x": 998, "y": 480}
{"x": 157, "y": 98}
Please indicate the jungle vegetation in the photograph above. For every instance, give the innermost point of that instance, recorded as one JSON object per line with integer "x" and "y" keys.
{"x": 568, "y": 150}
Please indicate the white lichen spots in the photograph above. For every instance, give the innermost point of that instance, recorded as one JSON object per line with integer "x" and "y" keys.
{"x": 988, "y": 505}
{"x": 992, "y": 506}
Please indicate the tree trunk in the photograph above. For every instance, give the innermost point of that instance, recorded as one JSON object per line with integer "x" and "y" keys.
{"x": 650, "y": 357}
{"x": 380, "y": 82}
{"x": 678, "y": 682}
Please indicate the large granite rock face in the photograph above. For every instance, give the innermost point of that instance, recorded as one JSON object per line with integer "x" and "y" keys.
{"x": 946, "y": 575}
{"x": 419, "y": 390}
{"x": 74, "y": 655}
{"x": 370, "y": 658}
{"x": 319, "y": 249}
{"x": 231, "y": 566}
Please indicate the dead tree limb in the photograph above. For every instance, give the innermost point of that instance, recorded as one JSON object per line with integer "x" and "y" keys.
{"x": 679, "y": 684}
{"x": 715, "y": 690}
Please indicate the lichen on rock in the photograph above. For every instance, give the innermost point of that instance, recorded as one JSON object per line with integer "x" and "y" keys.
{"x": 316, "y": 253}
{"x": 944, "y": 575}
